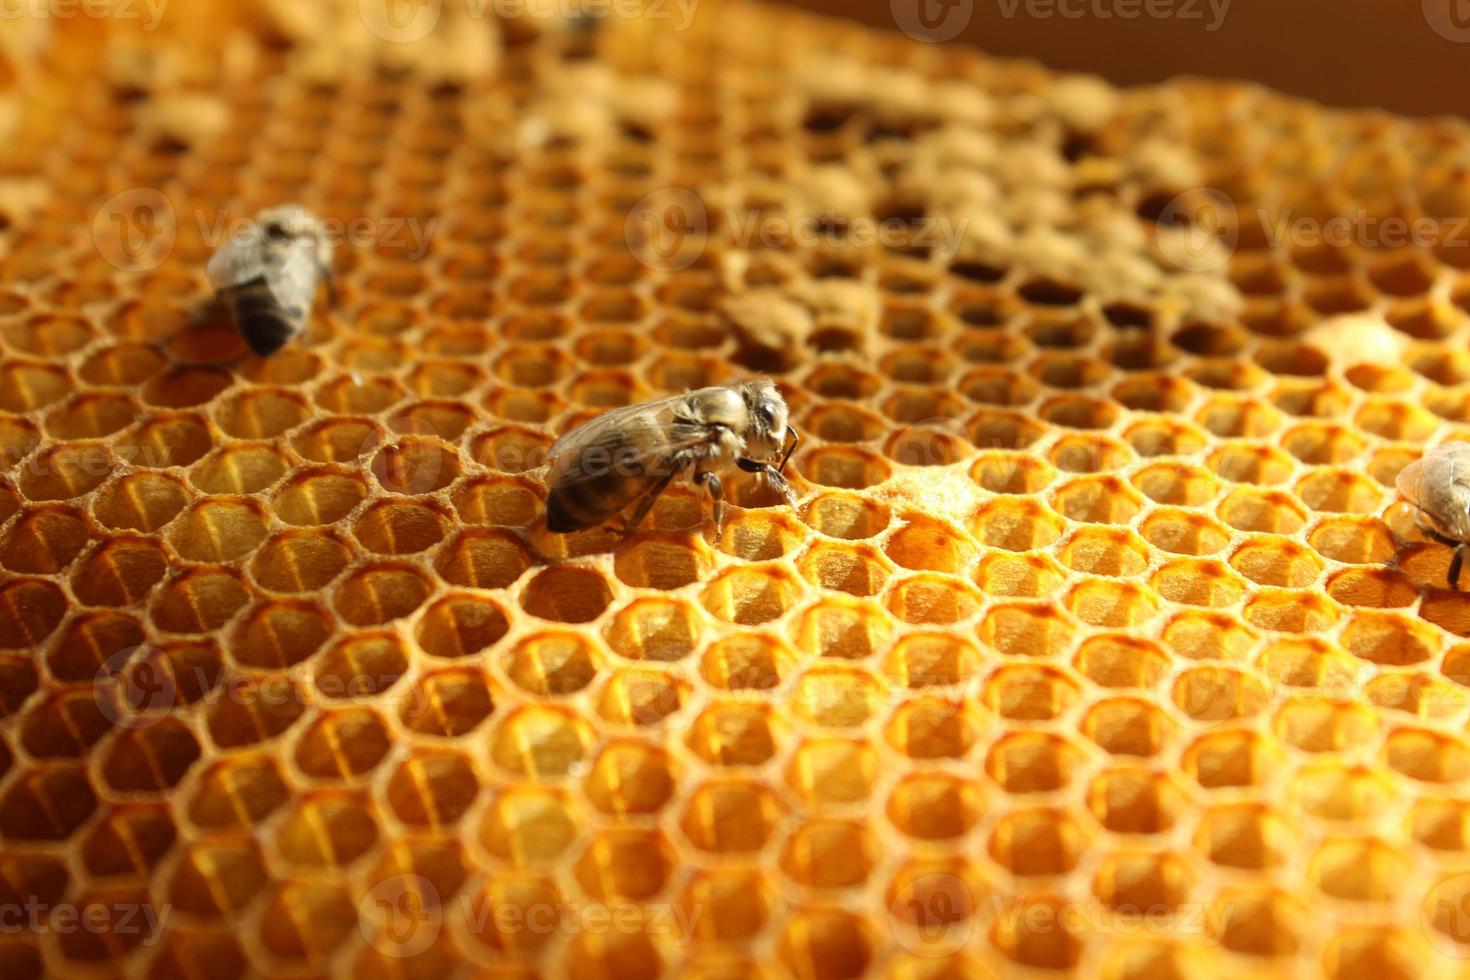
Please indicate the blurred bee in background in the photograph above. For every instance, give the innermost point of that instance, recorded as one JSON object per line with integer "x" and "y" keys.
{"x": 634, "y": 453}
{"x": 268, "y": 274}
{"x": 1438, "y": 485}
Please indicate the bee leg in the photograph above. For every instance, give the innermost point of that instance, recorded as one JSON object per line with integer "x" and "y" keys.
{"x": 716, "y": 490}
{"x": 646, "y": 504}
{"x": 1455, "y": 564}
{"x": 771, "y": 475}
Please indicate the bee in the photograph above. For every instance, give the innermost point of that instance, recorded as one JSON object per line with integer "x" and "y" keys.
{"x": 633, "y": 453}
{"x": 1438, "y": 485}
{"x": 268, "y": 274}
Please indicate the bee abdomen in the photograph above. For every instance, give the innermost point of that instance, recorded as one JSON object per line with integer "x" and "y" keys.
{"x": 584, "y": 503}
{"x": 265, "y": 325}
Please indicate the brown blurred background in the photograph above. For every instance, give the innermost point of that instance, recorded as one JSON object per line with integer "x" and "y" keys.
{"x": 1407, "y": 56}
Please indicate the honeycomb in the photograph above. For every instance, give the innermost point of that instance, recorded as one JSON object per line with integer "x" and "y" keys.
{"x": 1098, "y": 641}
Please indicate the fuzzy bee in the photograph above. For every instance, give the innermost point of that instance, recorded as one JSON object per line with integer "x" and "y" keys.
{"x": 268, "y": 274}
{"x": 634, "y": 453}
{"x": 1438, "y": 485}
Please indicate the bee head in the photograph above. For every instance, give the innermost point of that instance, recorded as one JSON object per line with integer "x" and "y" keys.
{"x": 769, "y": 417}
{"x": 292, "y": 223}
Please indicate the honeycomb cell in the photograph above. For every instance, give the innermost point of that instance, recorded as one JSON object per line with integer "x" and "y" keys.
{"x": 307, "y": 921}
{"x": 44, "y": 541}
{"x": 729, "y": 817}
{"x": 1271, "y": 512}
{"x": 750, "y": 596}
{"x": 1265, "y": 922}
{"x": 1016, "y": 525}
{"x": 342, "y": 744}
{"x": 1177, "y": 484}
{"x": 219, "y": 531}
{"x": 328, "y": 828}
{"x": 845, "y": 516}
{"x": 416, "y": 465}
{"x": 360, "y": 666}
{"x": 506, "y": 501}
{"x": 934, "y": 806}
{"x": 836, "y": 697}
{"x": 1120, "y": 661}
{"x": 481, "y": 559}
{"x": 64, "y": 472}
{"x": 663, "y": 564}
{"x": 277, "y": 635}
{"x": 760, "y": 536}
{"x": 1313, "y": 726}
{"x": 843, "y": 467}
{"x": 1032, "y": 762}
{"x": 447, "y": 703}
{"x": 299, "y": 561}
{"x": 1218, "y": 693}
{"x": 261, "y": 414}
{"x": 318, "y": 497}
{"x": 1244, "y": 837}
{"x": 1104, "y": 551}
{"x": 1035, "y": 932}
{"x": 1230, "y": 759}
{"x": 1105, "y": 603}
{"x": 1097, "y": 500}
{"x": 240, "y": 469}
{"x": 1276, "y": 562}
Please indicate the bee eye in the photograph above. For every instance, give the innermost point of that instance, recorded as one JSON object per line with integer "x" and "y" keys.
{"x": 274, "y": 231}
{"x": 766, "y": 415}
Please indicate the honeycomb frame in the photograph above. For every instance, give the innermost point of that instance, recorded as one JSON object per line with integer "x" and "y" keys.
{"x": 1098, "y": 640}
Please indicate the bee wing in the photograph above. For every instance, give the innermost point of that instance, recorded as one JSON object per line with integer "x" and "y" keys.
{"x": 235, "y": 263}
{"x": 636, "y": 437}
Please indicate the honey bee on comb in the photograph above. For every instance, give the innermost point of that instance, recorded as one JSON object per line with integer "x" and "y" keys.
{"x": 1438, "y": 485}
{"x": 268, "y": 274}
{"x": 633, "y": 453}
